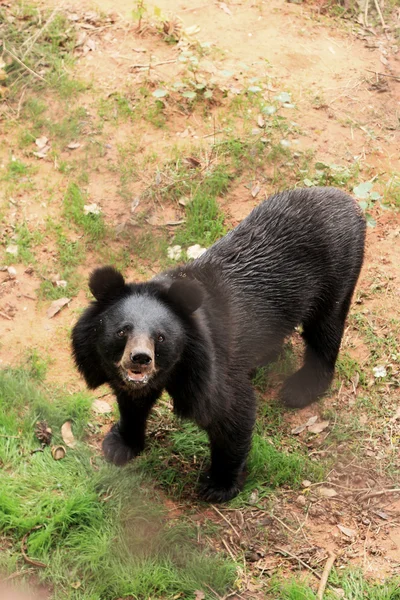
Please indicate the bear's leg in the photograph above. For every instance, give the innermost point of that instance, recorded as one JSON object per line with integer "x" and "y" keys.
{"x": 230, "y": 441}
{"x": 322, "y": 337}
{"x": 126, "y": 438}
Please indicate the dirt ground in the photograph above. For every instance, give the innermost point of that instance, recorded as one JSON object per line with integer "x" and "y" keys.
{"x": 345, "y": 113}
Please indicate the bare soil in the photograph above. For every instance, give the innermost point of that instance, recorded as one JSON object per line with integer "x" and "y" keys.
{"x": 345, "y": 112}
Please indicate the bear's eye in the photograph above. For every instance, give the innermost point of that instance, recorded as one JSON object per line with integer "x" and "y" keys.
{"x": 160, "y": 337}
{"x": 121, "y": 333}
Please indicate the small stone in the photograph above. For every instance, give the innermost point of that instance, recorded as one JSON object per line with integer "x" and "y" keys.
{"x": 12, "y": 273}
{"x": 301, "y": 500}
{"x": 305, "y": 483}
{"x": 174, "y": 252}
{"x": 195, "y": 251}
{"x": 379, "y": 371}
{"x": 92, "y": 209}
{"x": 12, "y": 249}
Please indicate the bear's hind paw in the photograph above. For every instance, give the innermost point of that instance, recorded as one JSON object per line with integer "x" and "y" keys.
{"x": 210, "y": 491}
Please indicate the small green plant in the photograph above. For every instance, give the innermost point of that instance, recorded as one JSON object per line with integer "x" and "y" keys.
{"x": 330, "y": 174}
{"x": 16, "y": 170}
{"x": 139, "y": 12}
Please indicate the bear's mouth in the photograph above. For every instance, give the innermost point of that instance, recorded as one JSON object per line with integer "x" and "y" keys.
{"x": 136, "y": 377}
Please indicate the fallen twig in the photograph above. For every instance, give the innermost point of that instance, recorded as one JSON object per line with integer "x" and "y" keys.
{"x": 22, "y": 63}
{"x": 378, "y": 8}
{"x": 37, "y": 35}
{"x": 226, "y": 520}
{"x": 379, "y": 493}
{"x": 396, "y": 77}
{"x": 283, "y": 524}
{"x": 228, "y": 549}
{"x": 325, "y": 575}
{"x": 286, "y": 553}
{"x": 5, "y": 316}
{"x": 15, "y": 575}
{"x": 150, "y": 65}
{"x": 31, "y": 561}
{"x": 366, "y": 13}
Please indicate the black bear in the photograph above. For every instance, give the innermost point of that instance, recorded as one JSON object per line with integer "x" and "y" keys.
{"x": 199, "y": 330}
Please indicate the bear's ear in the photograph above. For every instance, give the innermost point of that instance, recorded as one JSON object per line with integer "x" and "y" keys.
{"x": 106, "y": 283}
{"x": 187, "y": 294}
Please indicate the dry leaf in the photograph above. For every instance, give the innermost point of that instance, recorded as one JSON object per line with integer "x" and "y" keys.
{"x": 56, "y": 306}
{"x": 58, "y": 452}
{"x": 199, "y": 595}
{"x": 347, "y": 531}
{"x": 318, "y": 427}
{"x": 381, "y": 514}
{"x": 327, "y": 492}
{"x": 193, "y": 162}
{"x": 260, "y": 121}
{"x": 302, "y": 427}
{"x": 42, "y": 153}
{"x": 298, "y": 429}
{"x": 153, "y": 220}
{"x": 225, "y": 8}
{"x": 101, "y": 407}
{"x": 41, "y": 142}
{"x": 67, "y": 435}
{"x": 396, "y": 416}
{"x": 135, "y": 204}
{"x": 90, "y": 45}
{"x": 255, "y": 189}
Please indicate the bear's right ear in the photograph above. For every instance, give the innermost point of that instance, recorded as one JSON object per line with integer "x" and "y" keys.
{"x": 187, "y": 294}
{"x": 106, "y": 283}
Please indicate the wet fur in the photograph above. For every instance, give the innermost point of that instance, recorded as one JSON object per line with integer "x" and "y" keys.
{"x": 294, "y": 260}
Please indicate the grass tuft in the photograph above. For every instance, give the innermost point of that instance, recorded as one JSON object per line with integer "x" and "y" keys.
{"x": 100, "y": 530}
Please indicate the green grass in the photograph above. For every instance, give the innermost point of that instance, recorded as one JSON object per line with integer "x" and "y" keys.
{"x": 180, "y": 452}
{"x": 92, "y": 224}
{"x": 50, "y": 57}
{"x": 100, "y": 530}
{"x": 204, "y": 218}
{"x": 26, "y": 240}
{"x": 352, "y": 582}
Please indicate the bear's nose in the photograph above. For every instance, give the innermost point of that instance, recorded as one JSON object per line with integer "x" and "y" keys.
{"x": 141, "y": 358}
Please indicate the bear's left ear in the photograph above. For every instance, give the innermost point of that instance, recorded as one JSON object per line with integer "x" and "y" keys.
{"x": 186, "y": 294}
{"x": 106, "y": 283}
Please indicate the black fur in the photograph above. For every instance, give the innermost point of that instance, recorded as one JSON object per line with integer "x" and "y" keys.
{"x": 294, "y": 260}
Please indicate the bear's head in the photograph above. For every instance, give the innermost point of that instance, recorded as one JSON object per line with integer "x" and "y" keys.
{"x": 137, "y": 331}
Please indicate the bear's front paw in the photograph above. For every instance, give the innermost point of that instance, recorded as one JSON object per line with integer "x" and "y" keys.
{"x": 116, "y": 450}
{"x": 211, "y": 491}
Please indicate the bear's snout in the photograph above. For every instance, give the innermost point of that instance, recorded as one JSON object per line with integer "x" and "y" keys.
{"x": 137, "y": 363}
